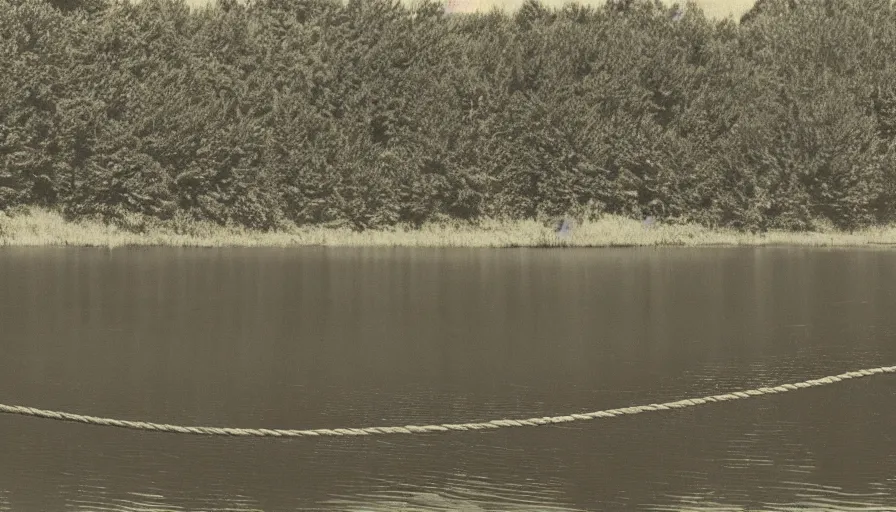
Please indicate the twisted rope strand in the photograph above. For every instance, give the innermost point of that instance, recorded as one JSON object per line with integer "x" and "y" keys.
{"x": 447, "y": 427}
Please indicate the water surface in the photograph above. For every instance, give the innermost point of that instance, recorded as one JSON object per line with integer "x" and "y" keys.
{"x": 331, "y": 338}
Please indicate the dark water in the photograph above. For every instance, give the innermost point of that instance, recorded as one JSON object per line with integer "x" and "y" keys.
{"x": 324, "y": 338}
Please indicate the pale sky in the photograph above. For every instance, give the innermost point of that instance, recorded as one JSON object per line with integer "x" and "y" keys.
{"x": 712, "y": 8}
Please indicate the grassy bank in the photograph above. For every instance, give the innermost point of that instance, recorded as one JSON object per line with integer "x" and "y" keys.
{"x": 40, "y": 227}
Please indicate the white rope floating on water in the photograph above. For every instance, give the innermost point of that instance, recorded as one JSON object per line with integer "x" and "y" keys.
{"x": 446, "y": 427}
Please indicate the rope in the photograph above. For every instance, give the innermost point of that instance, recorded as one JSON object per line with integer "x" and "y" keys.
{"x": 448, "y": 427}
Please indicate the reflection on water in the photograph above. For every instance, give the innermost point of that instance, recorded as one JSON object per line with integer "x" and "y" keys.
{"x": 328, "y": 338}
{"x": 828, "y": 500}
{"x": 457, "y": 492}
{"x": 90, "y": 498}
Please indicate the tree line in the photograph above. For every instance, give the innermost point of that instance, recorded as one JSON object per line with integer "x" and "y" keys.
{"x": 371, "y": 113}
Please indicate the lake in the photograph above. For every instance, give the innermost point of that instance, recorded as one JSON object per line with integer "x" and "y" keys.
{"x": 331, "y": 338}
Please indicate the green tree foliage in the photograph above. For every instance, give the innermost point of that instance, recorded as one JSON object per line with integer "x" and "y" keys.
{"x": 369, "y": 113}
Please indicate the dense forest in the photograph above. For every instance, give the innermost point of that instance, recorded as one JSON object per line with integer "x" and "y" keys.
{"x": 372, "y": 113}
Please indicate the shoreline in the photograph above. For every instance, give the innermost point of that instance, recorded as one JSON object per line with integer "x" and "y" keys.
{"x": 44, "y": 228}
